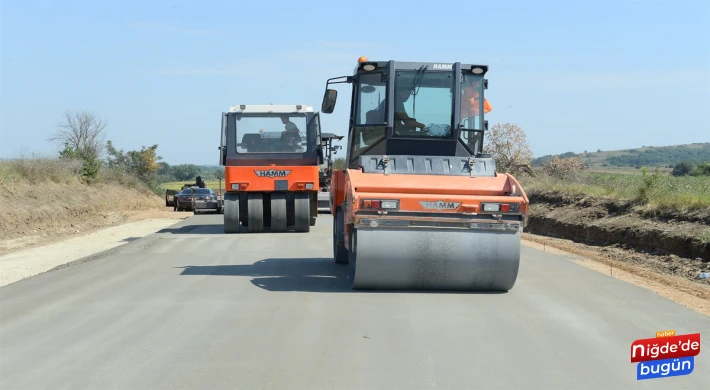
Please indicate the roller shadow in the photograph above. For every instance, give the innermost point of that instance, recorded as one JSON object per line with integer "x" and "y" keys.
{"x": 305, "y": 275}
{"x": 215, "y": 228}
{"x": 285, "y": 274}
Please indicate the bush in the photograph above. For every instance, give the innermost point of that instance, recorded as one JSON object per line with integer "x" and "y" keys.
{"x": 687, "y": 168}
{"x": 682, "y": 168}
{"x": 702, "y": 169}
{"x": 563, "y": 167}
{"x": 648, "y": 183}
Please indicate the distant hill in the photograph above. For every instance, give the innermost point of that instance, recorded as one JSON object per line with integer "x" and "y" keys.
{"x": 649, "y": 156}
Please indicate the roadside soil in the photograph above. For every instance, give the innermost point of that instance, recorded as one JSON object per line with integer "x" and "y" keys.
{"x": 106, "y": 220}
{"x": 669, "y": 246}
{"x": 48, "y": 213}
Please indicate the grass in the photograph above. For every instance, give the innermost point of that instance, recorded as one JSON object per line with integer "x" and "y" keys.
{"x": 39, "y": 170}
{"x": 177, "y": 185}
{"x": 624, "y": 170}
{"x": 662, "y": 192}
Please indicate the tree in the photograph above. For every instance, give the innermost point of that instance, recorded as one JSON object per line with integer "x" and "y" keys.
{"x": 143, "y": 163}
{"x": 702, "y": 169}
{"x": 508, "y": 144}
{"x": 164, "y": 168}
{"x": 81, "y": 134}
{"x": 682, "y": 168}
{"x": 339, "y": 163}
{"x": 117, "y": 158}
{"x": 184, "y": 172}
{"x": 219, "y": 174}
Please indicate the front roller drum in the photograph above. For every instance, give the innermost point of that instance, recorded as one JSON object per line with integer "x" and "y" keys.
{"x": 435, "y": 259}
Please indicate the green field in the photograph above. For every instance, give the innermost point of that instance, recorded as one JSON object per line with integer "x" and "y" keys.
{"x": 624, "y": 170}
{"x": 661, "y": 192}
{"x": 177, "y": 185}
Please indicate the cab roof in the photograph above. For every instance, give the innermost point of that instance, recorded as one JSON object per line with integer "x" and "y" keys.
{"x": 271, "y": 108}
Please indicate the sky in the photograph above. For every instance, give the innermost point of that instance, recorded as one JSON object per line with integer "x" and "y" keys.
{"x": 575, "y": 75}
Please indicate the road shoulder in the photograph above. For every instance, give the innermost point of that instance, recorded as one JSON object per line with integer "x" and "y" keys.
{"x": 693, "y": 295}
{"x": 28, "y": 262}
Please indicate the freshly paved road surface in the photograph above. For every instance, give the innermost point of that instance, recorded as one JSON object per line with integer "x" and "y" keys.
{"x": 191, "y": 308}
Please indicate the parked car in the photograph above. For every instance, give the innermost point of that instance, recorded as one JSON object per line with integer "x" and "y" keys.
{"x": 183, "y": 200}
{"x": 205, "y": 200}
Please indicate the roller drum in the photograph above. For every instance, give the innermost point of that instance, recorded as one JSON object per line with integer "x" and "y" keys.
{"x": 436, "y": 259}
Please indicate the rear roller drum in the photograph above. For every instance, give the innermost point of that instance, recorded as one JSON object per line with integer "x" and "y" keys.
{"x": 255, "y": 212}
{"x": 231, "y": 213}
{"x": 278, "y": 212}
{"x": 302, "y": 211}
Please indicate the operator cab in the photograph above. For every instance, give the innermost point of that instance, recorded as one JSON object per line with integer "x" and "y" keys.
{"x": 328, "y": 150}
{"x": 264, "y": 135}
{"x": 413, "y": 109}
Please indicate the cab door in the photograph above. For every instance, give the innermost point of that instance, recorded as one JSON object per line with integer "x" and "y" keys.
{"x": 223, "y": 141}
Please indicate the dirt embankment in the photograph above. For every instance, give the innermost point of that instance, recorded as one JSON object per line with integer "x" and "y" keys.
{"x": 671, "y": 243}
{"x": 45, "y": 212}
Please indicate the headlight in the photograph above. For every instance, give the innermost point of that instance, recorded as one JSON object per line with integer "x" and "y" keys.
{"x": 491, "y": 206}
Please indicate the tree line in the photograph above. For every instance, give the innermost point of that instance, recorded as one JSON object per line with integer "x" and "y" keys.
{"x": 83, "y": 137}
{"x": 188, "y": 172}
{"x": 664, "y": 155}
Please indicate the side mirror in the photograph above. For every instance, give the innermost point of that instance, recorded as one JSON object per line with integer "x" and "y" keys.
{"x": 329, "y": 99}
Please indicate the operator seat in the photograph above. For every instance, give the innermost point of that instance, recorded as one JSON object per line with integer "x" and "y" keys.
{"x": 251, "y": 141}
{"x": 290, "y": 141}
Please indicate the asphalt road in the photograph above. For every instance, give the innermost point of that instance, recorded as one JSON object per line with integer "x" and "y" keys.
{"x": 191, "y": 308}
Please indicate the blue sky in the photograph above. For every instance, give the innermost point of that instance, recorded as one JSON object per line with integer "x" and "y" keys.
{"x": 574, "y": 74}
